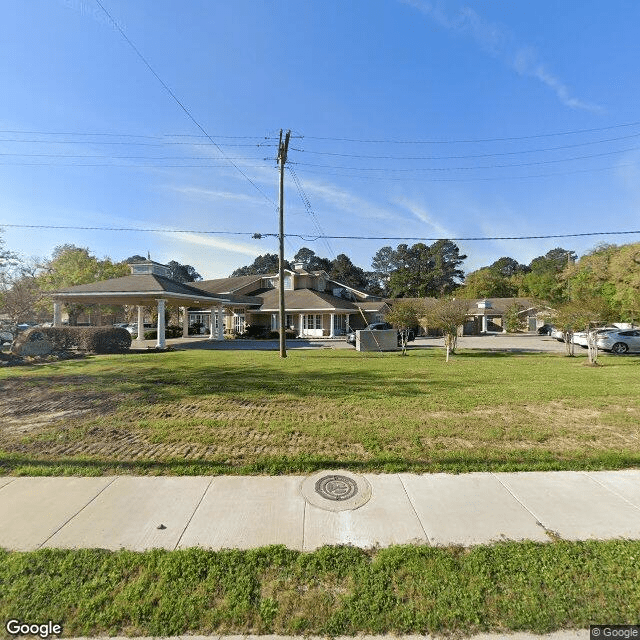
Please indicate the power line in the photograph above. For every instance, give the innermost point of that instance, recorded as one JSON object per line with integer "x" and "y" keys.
{"x": 483, "y": 238}
{"x": 472, "y": 179}
{"x": 321, "y": 237}
{"x": 151, "y": 230}
{"x": 129, "y": 165}
{"x": 181, "y": 105}
{"x": 70, "y": 155}
{"x": 307, "y": 204}
{"x": 476, "y": 140}
{"x": 486, "y": 166}
{"x": 131, "y": 135}
{"x": 136, "y": 144}
{"x": 464, "y": 157}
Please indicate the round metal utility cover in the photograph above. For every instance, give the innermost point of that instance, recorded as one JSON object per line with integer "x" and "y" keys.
{"x": 336, "y": 490}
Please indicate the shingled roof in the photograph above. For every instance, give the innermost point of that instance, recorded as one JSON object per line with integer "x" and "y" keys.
{"x": 305, "y": 300}
{"x": 138, "y": 289}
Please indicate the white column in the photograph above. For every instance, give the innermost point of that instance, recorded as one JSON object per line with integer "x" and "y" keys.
{"x": 185, "y": 322}
{"x": 331, "y": 327}
{"x": 220, "y": 316}
{"x": 140, "y": 323}
{"x": 57, "y": 314}
{"x": 212, "y": 323}
{"x": 160, "y": 343}
{"x": 484, "y": 323}
{"x": 301, "y": 324}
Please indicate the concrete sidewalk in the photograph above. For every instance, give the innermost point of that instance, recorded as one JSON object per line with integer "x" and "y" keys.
{"x": 328, "y": 508}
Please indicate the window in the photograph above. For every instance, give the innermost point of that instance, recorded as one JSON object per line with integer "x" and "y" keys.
{"x": 311, "y": 321}
{"x": 339, "y": 324}
{"x": 288, "y": 282}
{"x": 238, "y": 320}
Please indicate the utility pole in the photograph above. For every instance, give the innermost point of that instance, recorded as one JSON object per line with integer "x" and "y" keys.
{"x": 282, "y": 159}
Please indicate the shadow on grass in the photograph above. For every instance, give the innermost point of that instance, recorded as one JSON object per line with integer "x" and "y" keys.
{"x": 450, "y": 462}
{"x": 172, "y": 381}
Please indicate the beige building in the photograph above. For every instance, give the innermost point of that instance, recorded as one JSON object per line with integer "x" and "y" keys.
{"x": 315, "y": 305}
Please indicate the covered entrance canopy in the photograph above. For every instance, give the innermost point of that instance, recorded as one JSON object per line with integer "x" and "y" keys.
{"x": 147, "y": 286}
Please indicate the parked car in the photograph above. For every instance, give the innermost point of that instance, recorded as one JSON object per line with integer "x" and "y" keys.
{"x": 557, "y": 334}
{"x": 132, "y": 327}
{"x": 381, "y": 326}
{"x": 581, "y": 337}
{"x": 23, "y": 326}
{"x": 5, "y": 336}
{"x": 545, "y": 329}
{"x": 620, "y": 341}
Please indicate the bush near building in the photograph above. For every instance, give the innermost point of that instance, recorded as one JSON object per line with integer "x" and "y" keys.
{"x": 90, "y": 339}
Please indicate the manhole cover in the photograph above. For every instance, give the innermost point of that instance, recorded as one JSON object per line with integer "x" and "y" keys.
{"x": 336, "y": 487}
{"x": 336, "y": 490}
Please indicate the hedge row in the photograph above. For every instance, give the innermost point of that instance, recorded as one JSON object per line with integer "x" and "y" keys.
{"x": 92, "y": 339}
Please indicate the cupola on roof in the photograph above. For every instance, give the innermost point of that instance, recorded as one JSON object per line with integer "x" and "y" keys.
{"x": 148, "y": 267}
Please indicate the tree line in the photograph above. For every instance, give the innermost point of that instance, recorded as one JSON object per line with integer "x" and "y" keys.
{"x": 606, "y": 279}
{"x": 25, "y": 285}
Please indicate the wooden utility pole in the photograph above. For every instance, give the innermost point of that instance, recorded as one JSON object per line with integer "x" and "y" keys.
{"x": 282, "y": 159}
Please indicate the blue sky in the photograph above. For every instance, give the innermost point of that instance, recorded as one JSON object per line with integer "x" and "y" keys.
{"x": 489, "y": 119}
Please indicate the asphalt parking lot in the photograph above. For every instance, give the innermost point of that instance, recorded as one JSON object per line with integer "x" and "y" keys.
{"x": 527, "y": 342}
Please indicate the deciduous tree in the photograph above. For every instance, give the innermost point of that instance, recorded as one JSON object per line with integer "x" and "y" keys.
{"x": 405, "y": 316}
{"x": 447, "y": 315}
{"x": 71, "y": 265}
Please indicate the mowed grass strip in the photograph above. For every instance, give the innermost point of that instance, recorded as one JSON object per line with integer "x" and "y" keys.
{"x": 334, "y": 590}
{"x": 214, "y": 412}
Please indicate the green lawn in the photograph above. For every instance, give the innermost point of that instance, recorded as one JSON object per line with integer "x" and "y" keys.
{"x": 211, "y": 412}
{"x": 333, "y": 591}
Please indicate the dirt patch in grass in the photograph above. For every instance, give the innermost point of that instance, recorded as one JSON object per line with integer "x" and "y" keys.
{"x": 28, "y": 407}
{"x": 248, "y": 409}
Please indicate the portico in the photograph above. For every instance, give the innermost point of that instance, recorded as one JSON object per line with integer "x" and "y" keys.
{"x": 148, "y": 286}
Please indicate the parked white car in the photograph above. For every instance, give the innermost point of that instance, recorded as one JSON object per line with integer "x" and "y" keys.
{"x": 581, "y": 337}
{"x": 620, "y": 341}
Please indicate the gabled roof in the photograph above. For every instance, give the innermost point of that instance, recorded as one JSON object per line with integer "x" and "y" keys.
{"x": 138, "y": 289}
{"x": 305, "y": 300}
{"x": 148, "y": 283}
{"x": 229, "y": 285}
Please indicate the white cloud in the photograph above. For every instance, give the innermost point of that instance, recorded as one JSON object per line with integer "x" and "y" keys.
{"x": 346, "y": 201}
{"x": 211, "y": 242}
{"x": 499, "y": 43}
{"x": 211, "y": 194}
{"x": 424, "y": 216}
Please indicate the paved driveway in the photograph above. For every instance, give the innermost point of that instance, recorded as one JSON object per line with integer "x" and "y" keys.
{"x": 499, "y": 342}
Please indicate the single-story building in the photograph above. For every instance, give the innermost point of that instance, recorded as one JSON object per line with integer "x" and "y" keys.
{"x": 489, "y": 315}
{"x": 315, "y": 305}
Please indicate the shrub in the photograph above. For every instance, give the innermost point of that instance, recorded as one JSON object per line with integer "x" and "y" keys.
{"x": 255, "y": 331}
{"x": 289, "y": 334}
{"x": 173, "y": 331}
{"x": 194, "y": 329}
{"x": 93, "y": 339}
